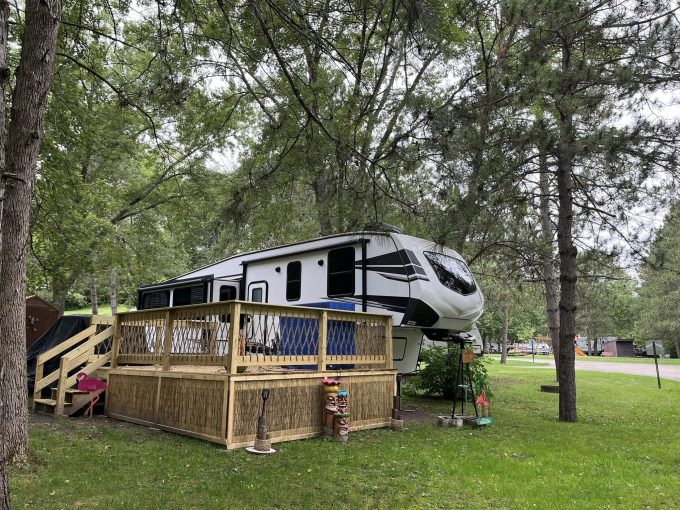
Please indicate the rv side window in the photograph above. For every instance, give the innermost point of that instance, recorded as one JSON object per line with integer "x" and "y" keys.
{"x": 341, "y": 272}
{"x": 188, "y": 295}
{"x": 293, "y": 281}
{"x": 159, "y": 299}
{"x": 227, "y": 293}
{"x": 256, "y": 295}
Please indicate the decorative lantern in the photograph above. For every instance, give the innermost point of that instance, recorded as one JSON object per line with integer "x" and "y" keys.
{"x": 263, "y": 444}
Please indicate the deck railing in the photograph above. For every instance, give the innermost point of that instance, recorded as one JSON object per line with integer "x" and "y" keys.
{"x": 86, "y": 352}
{"x": 265, "y": 335}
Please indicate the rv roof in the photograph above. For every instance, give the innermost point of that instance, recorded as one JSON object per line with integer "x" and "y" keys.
{"x": 346, "y": 234}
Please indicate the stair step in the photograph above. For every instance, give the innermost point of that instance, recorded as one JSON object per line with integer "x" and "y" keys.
{"x": 50, "y": 402}
{"x": 68, "y": 392}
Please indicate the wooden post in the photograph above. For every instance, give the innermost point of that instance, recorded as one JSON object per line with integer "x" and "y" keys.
{"x": 225, "y": 410}
{"x": 212, "y": 339}
{"x": 61, "y": 387}
{"x": 117, "y": 328}
{"x": 39, "y": 372}
{"x": 323, "y": 340}
{"x": 231, "y": 401}
{"x": 389, "y": 357}
{"x": 158, "y": 344}
{"x": 167, "y": 340}
{"x": 234, "y": 337}
{"x": 157, "y": 400}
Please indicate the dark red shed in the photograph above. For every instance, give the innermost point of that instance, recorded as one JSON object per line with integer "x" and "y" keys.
{"x": 620, "y": 348}
{"x": 40, "y": 316}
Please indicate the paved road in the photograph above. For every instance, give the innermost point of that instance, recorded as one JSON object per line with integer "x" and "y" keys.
{"x": 671, "y": 372}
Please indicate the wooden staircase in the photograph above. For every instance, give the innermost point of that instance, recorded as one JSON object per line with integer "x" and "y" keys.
{"x": 74, "y": 401}
{"x": 88, "y": 351}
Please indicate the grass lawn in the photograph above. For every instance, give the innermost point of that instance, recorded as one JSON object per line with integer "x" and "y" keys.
{"x": 542, "y": 358}
{"x": 623, "y": 453}
{"x": 517, "y": 362}
{"x": 103, "y": 310}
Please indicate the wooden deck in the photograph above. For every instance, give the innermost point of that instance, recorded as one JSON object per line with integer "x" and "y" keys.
{"x": 187, "y": 370}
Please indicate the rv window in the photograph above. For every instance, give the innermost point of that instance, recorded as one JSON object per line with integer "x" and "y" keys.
{"x": 159, "y": 299}
{"x": 256, "y": 295}
{"x": 188, "y": 295}
{"x": 341, "y": 272}
{"x": 453, "y": 273}
{"x": 293, "y": 281}
{"x": 227, "y": 293}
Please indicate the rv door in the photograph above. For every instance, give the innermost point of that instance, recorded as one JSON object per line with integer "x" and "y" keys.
{"x": 260, "y": 329}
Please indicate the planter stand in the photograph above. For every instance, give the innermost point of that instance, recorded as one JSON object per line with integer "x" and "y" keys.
{"x": 465, "y": 356}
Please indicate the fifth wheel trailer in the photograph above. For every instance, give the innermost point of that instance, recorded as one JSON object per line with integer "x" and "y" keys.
{"x": 427, "y": 288}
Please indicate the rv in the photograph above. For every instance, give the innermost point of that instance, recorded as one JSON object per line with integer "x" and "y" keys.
{"x": 428, "y": 289}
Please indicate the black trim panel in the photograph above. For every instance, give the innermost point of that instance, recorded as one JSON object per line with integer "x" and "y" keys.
{"x": 420, "y": 314}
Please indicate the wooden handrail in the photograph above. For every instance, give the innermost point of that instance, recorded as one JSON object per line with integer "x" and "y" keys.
{"x": 71, "y": 381}
{"x": 82, "y": 350}
{"x": 76, "y": 358}
{"x": 69, "y": 361}
{"x": 254, "y": 304}
{"x": 92, "y": 342}
{"x": 107, "y": 320}
{"x": 58, "y": 349}
{"x": 208, "y": 316}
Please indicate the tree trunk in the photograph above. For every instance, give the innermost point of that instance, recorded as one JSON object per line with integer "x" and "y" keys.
{"x": 677, "y": 348}
{"x": 320, "y": 187}
{"x": 565, "y": 188}
{"x": 93, "y": 294}
{"x": 591, "y": 336}
{"x": 114, "y": 292}
{"x": 4, "y": 488}
{"x": 4, "y": 80}
{"x": 59, "y": 291}
{"x": 549, "y": 278}
{"x": 29, "y": 100}
{"x": 504, "y": 340}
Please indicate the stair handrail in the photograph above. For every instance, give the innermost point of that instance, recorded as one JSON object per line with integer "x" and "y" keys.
{"x": 71, "y": 360}
{"x": 42, "y": 382}
{"x": 75, "y": 358}
{"x": 91, "y": 343}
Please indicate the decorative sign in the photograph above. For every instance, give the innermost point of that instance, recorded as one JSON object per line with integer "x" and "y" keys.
{"x": 486, "y": 420}
{"x": 468, "y": 355}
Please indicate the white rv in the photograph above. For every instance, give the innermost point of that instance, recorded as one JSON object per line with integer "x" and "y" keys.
{"x": 427, "y": 288}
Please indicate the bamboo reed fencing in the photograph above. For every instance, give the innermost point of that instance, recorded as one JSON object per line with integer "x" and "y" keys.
{"x": 224, "y": 408}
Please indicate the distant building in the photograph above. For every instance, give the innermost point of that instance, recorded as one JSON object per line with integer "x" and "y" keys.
{"x": 649, "y": 348}
{"x": 40, "y": 316}
{"x": 618, "y": 348}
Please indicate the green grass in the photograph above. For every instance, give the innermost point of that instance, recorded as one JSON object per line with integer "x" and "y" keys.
{"x": 103, "y": 310}
{"x": 623, "y": 453}
{"x": 543, "y": 359}
{"x": 521, "y": 362}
